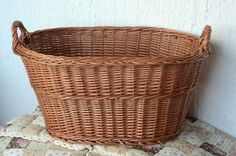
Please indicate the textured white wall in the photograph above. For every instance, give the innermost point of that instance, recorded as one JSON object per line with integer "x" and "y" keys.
{"x": 216, "y": 102}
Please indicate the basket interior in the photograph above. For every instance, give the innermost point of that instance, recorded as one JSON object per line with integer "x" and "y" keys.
{"x": 112, "y": 41}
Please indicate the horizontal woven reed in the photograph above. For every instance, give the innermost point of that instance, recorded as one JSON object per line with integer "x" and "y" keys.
{"x": 112, "y": 85}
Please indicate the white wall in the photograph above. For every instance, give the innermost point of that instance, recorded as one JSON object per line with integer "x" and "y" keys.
{"x": 216, "y": 102}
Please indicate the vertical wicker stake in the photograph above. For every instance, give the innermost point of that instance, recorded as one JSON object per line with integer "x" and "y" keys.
{"x": 112, "y": 85}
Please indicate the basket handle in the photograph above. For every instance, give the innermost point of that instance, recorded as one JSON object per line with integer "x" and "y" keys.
{"x": 17, "y": 39}
{"x": 205, "y": 39}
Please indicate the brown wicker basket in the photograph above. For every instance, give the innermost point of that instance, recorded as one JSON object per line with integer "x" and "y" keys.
{"x": 112, "y": 85}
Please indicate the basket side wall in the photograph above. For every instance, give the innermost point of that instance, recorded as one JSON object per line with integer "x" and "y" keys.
{"x": 105, "y": 121}
{"x": 112, "y": 80}
{"x": 116, "y": 103}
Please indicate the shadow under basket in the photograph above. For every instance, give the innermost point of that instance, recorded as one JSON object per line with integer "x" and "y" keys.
{"x": 112, "y": 85}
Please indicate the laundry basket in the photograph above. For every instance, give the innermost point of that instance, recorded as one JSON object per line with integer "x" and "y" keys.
{"x": 112, "y": 85}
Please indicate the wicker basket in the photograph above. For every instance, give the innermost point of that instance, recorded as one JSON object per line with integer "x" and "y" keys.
{"x": 112, "y": 85}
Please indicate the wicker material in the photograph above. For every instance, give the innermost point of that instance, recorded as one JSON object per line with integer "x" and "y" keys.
{"x": 112, "y": 85}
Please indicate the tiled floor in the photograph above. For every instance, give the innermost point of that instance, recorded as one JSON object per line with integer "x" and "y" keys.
{"x": 26, "y": 136}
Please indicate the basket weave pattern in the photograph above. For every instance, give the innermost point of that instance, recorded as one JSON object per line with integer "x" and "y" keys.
{"x": 112, "y": 85}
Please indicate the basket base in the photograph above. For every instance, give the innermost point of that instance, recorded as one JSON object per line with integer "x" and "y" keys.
{"x": 130, "y": 122}
{"x": 128, "y": 142}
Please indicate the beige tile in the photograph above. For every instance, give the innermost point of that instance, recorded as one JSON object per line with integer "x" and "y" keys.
{"x": 38, "y": 145}
{"x": 181, "y": 145}
{"x": 59, "y": 148}
{"x": 204, "y": 126}
{"x": 80, "y": 153}
{"x": 201, "y": 133}
{"x": 34, "y": 152}
{"x": 32, "y": 130}
{"x": 191, "y": 137}
{"x": 14, "y": 152}
{"x": 58, "y": 153}
{"x": 116, "y": 150}
{"x": 200, "y": 152}
{"x": 45, "y": 136}
{"x": 94, "y": 154}
{"x": 20, "y": 122}
{"x": 168, "y": 151}
{"x": 39, "y": 121}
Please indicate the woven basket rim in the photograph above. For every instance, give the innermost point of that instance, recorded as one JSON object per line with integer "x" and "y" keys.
{"x": 93, "y": 60}
{"x": 197, "y": 55}
{"x": 130, "y": 28}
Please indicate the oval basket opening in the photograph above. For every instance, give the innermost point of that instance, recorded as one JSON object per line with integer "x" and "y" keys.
{"x": 113, "y": 41}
